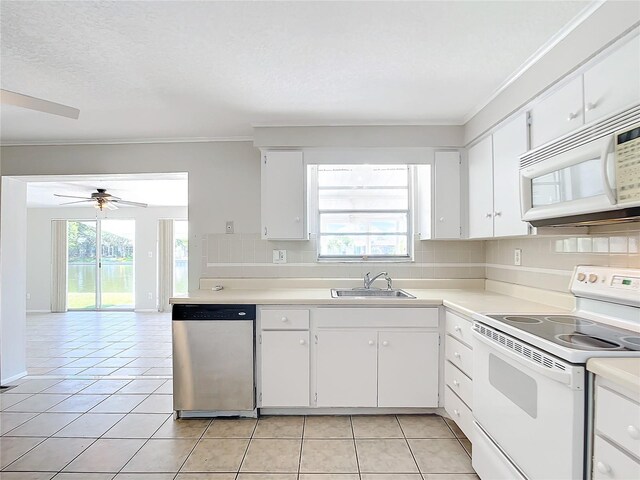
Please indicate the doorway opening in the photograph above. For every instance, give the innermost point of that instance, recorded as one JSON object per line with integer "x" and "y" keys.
{"x": 100, "y": 264}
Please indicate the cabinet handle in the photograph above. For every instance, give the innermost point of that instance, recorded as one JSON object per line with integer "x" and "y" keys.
{"x": 457, "y": 412}
{"x": 590, "y": 106}
{"x": 572, "y": 116}
{"x": 371, "y": 342}
{"x": 302, "y": 342}
{"x": 441, "y": 219}
{"x": 456, "y": 354}
{"x": 603, "y": 467}
{"x": 297, "y": 219}
{"x": 457, "y": 328}
{"x": 456, "y": 383}
{"x": 497, "y": 214}
{"x": 633, "y": 432}
{"x": 385, "y": 343}
{"x": 284, "y": 319}
{"x": 489, "y": 215}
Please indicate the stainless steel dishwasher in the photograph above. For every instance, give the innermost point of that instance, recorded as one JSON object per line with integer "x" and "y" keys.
{"x": 213, "y": 360}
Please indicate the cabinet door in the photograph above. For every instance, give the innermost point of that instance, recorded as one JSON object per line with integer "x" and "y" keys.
{"x": 283, "y": 202}
{"x": 559, "y": 113}
{"x": 509, "y": 143}
{"x": 481, "y": 189}
{"x": 614, "y": 83}
{"x": 408, "y": 369}
{"x": 447, "y": 195}
{"x": 346, "y": 368}
{"x": 284, "y": 369}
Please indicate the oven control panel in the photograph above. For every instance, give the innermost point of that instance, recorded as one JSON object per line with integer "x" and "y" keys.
{"x": 618, "y": 285}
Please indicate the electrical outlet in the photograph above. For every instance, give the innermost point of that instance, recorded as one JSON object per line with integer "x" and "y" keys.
{"x": 279, "y": 256}
{"x": 517, "y": 256}
{"x": 229, "y": 227}
{"x": 150, "y": 296}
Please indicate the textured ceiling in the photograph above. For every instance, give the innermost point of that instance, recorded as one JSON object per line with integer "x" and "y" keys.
{"x": 151, "y": 69}
{"x": 157, "y": 190}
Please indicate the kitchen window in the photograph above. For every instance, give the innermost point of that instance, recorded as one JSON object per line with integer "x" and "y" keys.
{"x": 364, "y": 212}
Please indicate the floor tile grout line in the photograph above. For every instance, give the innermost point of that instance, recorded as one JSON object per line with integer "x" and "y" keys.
{"x": 304, "y": 423}
{"x": 204, "y": 430}
{"x": 409, "y": 446}
{"x": 355, "y": 446}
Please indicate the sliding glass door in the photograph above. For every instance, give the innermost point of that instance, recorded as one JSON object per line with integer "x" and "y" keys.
{"x": 100, "y": 271}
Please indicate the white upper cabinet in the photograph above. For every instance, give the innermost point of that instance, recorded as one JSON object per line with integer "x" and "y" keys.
{"x": 481, "y": 189}
{"x": 283, "y": 196}
{"x": 558, "y": 114}
{"x": 447, "y": 195}
{"x": 509, "y": 142}
{"x": 613, "y": 83}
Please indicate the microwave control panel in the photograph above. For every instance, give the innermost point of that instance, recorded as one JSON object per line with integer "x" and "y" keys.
{"x": 628, "y": 165}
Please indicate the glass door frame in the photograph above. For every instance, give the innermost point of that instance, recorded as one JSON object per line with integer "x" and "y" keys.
{"x": 98, "y": 273}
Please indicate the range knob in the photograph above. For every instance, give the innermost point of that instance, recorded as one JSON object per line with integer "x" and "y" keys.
{"x": 593, "y": 277}
{"x": 581, "y": 276}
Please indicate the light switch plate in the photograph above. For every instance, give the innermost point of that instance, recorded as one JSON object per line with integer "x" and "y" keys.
{"x": 279, "y": 256}
{"x": 517, "y": 256}
{"x": 229, "y": 227}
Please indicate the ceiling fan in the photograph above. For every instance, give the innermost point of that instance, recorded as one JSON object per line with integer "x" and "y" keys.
{"x": 25, "y": 101}
{"x": 102, "y": 199}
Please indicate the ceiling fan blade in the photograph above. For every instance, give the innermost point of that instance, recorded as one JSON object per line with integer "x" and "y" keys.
{"x": 110, "y": 206}
{"x": 80, "y": 201}
{"x": 126, "y": 202}
{"x": 71, "y": 196}
{"x": 13, "y": 98}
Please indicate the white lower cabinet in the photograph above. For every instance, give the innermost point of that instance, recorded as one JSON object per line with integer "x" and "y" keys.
{"x": 616, "y": 441}
{"x": 407, "y": 369}
{"x": 346, "y": 368}
{"x": 284, "y": 369}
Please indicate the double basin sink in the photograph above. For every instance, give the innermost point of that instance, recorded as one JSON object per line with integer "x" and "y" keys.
{"x": 368, "y": 293}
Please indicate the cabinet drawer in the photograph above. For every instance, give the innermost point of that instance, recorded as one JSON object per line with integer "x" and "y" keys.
{"x": 611, "y": 463}
{"x": 288, "y": 319}
{"x": 459, "y": 412}
{"x": 459, "y": 383}
{"x": 618, "y": 418}
{"x": 459, "y": 328}
{"x": 459, "y": 354}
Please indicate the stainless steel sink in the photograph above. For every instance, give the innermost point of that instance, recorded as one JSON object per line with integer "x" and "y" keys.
{"x": 368, "y": 293}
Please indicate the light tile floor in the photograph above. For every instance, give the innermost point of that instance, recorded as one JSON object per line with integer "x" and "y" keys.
{"x": 91, "y": 425}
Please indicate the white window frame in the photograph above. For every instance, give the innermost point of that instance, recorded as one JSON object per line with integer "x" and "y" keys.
{"x": 314, "y": 203}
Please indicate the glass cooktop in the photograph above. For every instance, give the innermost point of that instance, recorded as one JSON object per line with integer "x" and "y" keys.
{"x": 574, "y": 332}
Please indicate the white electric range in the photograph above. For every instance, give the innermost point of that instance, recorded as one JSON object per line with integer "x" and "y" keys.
{"x": 531, "y": 393}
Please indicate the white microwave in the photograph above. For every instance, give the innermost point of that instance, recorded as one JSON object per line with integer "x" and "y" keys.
{"x": 595, "y": 182}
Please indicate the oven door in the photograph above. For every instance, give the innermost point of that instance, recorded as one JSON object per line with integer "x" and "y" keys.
{"x": 530, "y": 407}
{"x": 579, "y": 181}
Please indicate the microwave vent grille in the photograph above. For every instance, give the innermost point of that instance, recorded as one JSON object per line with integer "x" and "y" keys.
{"x": 586, "y": 134}
{"x": 520, "y": 348}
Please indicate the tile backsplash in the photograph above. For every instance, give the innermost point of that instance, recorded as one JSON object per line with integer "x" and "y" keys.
{"x": 248, "y": 256}
{"x": 547, "y": 261}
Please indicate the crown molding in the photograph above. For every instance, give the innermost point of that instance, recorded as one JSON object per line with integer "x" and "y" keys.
{"x": 124, "y": 141}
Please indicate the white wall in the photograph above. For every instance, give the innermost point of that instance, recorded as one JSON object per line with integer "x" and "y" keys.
{"x": 13, "y": 254}
{"x": 146, "y": 238}
{"x": 224, "y": 179}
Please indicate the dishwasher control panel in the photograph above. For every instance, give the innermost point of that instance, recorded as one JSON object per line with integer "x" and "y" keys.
{"x": 187, "y": 311}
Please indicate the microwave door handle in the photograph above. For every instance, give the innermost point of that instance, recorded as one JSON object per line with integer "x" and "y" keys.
{"x": 604, "y": 161}
{"x": 562, "y": 377}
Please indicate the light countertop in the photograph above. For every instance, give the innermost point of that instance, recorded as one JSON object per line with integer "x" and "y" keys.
{"x": 622, "y": 371}
{"x": 465, "y": 301}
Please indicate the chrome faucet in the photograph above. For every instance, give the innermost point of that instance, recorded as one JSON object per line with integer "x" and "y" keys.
{"x": 368, "y": 280}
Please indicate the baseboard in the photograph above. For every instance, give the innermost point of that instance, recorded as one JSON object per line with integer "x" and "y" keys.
{"x": 146, "y": 310}
{"x": 7, "y": 381}
{"x": 38, "y": 311}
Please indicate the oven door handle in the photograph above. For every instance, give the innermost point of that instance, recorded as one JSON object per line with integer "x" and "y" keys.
{"x": 563, "y": 377}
